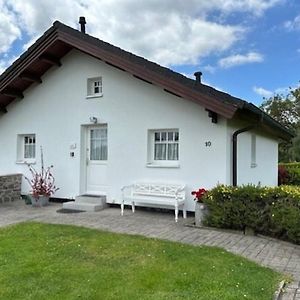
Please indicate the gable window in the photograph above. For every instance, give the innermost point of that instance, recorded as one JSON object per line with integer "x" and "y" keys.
{"x": 163, "y": 148}
{"x": 94, "y": 87}
{"x": 26, "y": 148}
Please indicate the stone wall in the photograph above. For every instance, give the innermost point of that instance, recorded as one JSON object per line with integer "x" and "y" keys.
{"x": 10, "y": 187}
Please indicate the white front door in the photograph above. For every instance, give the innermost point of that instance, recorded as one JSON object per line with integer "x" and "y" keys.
{"x": 96, "y": 160}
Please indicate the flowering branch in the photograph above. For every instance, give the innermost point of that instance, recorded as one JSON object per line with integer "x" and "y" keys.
{"x": 42, "y": 183}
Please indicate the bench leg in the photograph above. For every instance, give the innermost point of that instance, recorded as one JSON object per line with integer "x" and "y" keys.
{"x": 184, "y": 211}
{"x": 133, "y": 206}
{"x": 122, "y": 208}
{"x": 176, "y": 213}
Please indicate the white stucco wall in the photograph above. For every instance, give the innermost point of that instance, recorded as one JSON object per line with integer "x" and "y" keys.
{"x": 265, "y": 171}
{"x": 56, "y": 110}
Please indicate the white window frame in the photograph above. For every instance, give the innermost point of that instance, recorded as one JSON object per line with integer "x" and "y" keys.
{"x": 92, "y": 84}
{"x": 21, "y": 148}
{"x": 165, "y": 163}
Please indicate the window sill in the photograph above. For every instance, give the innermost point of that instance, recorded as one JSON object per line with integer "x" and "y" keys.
{"x": 94, "y": 96}
{"x": 162, "y": 165}
{"x": 99, "y": 162}
{"x": 25, "y": 162}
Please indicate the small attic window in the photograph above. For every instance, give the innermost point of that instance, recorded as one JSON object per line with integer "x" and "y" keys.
{"x": 94, "y": 87}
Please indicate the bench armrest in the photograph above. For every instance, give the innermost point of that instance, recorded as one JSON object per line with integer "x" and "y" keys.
{"x": 126, "y": 187}
{"x": 180, "y": 190}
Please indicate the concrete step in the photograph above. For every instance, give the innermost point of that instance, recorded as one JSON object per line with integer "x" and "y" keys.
{"x": 86, "y": 203}
{"x": 83, "y": 206}
{"x": 91, "y": 199}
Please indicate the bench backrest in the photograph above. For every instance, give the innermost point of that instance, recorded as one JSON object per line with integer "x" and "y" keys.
{"x": 158, "y": 190}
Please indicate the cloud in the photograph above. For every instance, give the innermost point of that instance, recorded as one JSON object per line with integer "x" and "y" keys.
{"x": 240, "y": 59}
{"x": 286, "y": 89}
{"x": 35, "y": 16}
{"x": 170, "y": 32}
{"x": 178, "y": 41}
{"x": 256, "y": 7}
{"x": 209, "y": 69}
{"x": 263, "y": 92}
{"x": 280, "y": 90}
{"x": 6, "y": 62}
{"x": 293, "y": 25}
{"x": 9, "y": 31}
{"x": 30, "y": 42}
{"x": 3, "y": 66}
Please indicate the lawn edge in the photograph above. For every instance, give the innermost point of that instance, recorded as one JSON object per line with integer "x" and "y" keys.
{"x": 280, "y": 289}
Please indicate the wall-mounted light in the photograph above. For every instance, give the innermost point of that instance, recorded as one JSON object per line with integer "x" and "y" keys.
{"x": 93, "y": 120}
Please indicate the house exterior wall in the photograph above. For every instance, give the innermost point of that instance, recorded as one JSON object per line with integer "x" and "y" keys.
{"x": 57, "y": 110}
{"x": 264, "y": 171}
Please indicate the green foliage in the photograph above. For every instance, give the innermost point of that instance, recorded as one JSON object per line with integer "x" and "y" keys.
{"x": 283, "y": 109}
{"x": 293, "y": 165}
{"x": 42, "y": 261}
{"x": 273, "y": 211}
{"x": 293, "y": 172}
{"x": 286, "y": 110}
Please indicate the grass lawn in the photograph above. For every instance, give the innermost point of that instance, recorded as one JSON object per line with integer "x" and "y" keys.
{"x": 41, "y": 261}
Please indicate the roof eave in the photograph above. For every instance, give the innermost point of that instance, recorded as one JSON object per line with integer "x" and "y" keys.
{"x": 278, "y": 129}
{"x": 31, "y": 53}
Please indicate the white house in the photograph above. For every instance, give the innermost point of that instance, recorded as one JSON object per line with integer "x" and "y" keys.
{"x": 107, "y": 118}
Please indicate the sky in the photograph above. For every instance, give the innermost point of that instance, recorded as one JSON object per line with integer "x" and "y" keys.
{"x": 247, "y": 48}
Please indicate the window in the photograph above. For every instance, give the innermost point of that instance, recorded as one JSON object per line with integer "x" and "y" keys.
{"x": 98, "y": 144}
{"x": 94, "y": 87}
{"x": 26, "y": 145}
{"x": 253, "y": 151}
{"x": 164, "y": 147}
{"x": 29, "y": 146}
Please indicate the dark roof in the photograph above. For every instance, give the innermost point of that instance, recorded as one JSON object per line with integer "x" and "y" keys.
{"x": 59, "y": 39}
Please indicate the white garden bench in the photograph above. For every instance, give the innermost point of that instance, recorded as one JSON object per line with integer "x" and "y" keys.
{"x": 156, "y": 194}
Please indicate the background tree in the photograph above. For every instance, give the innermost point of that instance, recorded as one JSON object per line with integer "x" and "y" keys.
{"x": 286, "y": 110}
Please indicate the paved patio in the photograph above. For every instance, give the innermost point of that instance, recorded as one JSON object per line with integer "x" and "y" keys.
{"x": 278, "y": 255}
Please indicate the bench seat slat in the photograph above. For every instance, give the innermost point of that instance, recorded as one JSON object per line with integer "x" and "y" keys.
{"x": 169, "y": 201}
{"x": 180, "y": 195}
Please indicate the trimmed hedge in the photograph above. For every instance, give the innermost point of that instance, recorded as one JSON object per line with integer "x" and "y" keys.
{"x": 273, "y": 211}
{"x": 289, "y": 173}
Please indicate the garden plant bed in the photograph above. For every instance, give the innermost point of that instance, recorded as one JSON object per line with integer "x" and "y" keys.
{"x": 68, "y": 262}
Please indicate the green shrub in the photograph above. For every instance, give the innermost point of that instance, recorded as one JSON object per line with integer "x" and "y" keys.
{"x": 273, "y": 211}
{"x": 293, "y": 173}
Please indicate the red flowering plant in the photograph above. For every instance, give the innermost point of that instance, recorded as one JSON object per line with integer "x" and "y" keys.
{"x": 42, "y": 182}
{"x": 283, "y": 175}
{"x": 198, "y": 195}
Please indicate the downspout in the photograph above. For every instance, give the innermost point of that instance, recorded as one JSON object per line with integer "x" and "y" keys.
{"x": 234, "y": 152}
